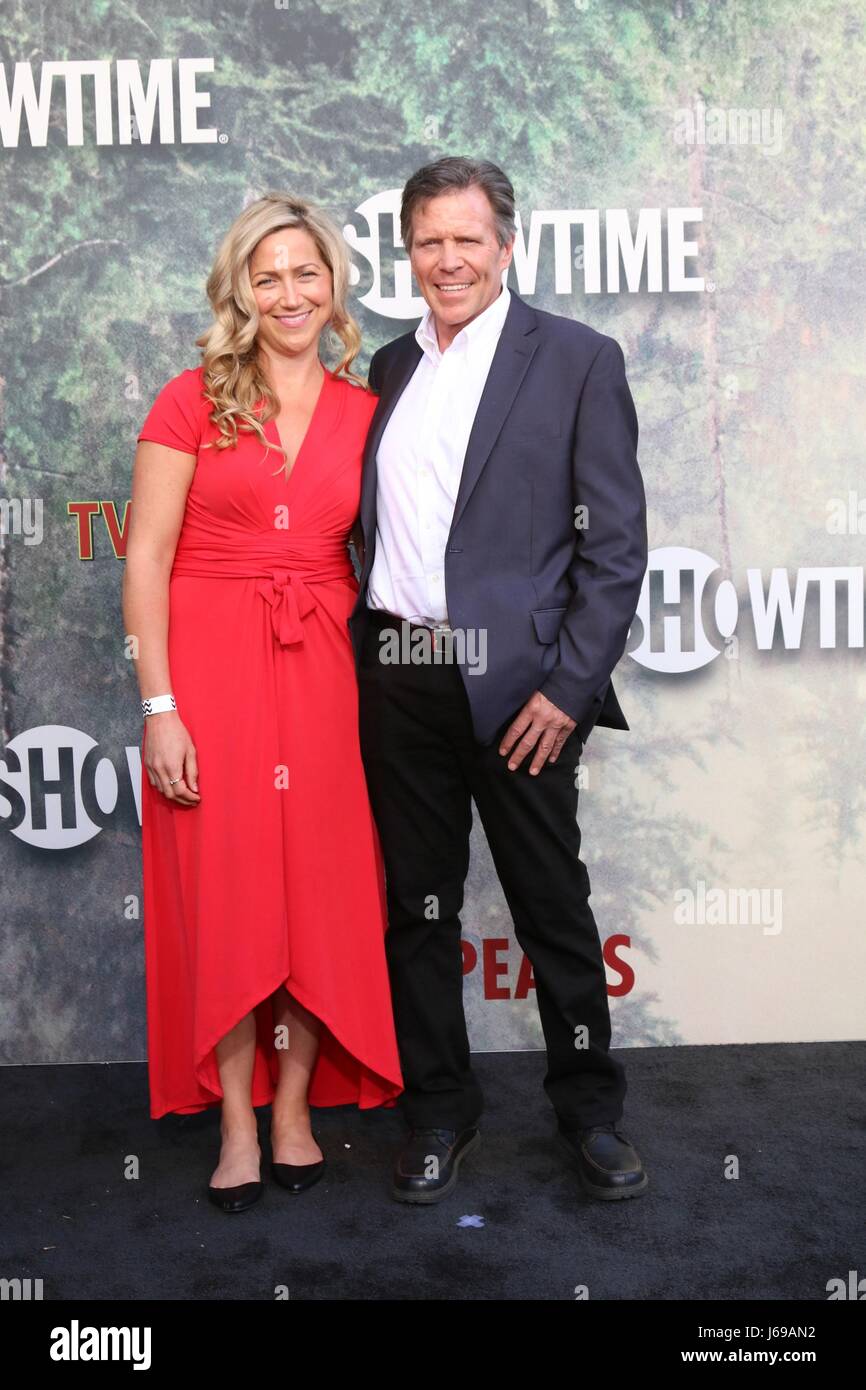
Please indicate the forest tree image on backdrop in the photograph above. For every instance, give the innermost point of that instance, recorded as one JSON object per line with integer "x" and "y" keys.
{"x": 690, "y": 181}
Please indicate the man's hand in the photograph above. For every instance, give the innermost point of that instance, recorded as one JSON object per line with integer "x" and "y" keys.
{"x": 539, "y": 722}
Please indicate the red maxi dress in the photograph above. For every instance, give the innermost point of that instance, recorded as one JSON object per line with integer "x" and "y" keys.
{"x": 276, "y": 876}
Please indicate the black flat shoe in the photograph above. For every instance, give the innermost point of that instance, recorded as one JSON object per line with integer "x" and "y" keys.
{"x": 297, "y": 1177}
{"x": 608, "y": 1165}
{"x": 232, "y": 1199}
{"x": 413, "y": 1181}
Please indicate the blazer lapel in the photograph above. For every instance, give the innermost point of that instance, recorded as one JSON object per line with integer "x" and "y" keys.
{"x": 513, "y": 354}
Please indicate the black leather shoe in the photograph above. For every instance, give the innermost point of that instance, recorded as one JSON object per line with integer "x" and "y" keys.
{"x": 297, "y": 1177}
{"x": 608, "y": 1165}
{"x": 447, "y": 1147}
{"x": 238, "y": 1198}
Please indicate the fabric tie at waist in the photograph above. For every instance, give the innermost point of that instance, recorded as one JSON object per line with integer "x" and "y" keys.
{"x": 286, "y": 574}
{"x": 290, "y": 601}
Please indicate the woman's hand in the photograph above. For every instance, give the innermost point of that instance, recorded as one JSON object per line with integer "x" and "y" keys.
{"x": 169, "y": 753}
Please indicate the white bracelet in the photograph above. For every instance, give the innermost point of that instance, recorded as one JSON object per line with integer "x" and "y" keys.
{"x": 158, "y": 704}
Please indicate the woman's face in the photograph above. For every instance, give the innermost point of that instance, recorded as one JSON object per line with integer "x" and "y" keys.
{"x": 293, "y": 291}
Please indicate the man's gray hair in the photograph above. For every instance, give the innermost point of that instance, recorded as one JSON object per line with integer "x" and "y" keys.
{"x": 449, "y": 175}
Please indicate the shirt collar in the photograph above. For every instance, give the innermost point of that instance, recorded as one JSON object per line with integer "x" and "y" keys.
{"x": 488, "y": 322}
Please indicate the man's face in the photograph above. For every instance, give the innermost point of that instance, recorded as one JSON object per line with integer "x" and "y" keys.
{"x": 457, "y": 261}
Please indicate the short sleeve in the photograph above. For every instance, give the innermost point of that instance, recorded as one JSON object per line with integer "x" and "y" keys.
{"x": 175, "y": 418}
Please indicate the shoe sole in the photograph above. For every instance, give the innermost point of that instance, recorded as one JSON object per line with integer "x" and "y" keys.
{"x": 427, "y": 1198}
{"x": 236, "y": 1211}
{"x": 605, "y": 1194}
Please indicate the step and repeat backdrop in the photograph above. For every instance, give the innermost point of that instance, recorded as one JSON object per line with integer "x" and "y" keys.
{"x": 689, "y": 178}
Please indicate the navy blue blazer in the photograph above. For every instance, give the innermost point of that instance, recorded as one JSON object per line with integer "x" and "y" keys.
{"x": 555, "y": 429}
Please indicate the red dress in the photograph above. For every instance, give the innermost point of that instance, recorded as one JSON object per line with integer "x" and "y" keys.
{"x": 276, "y": 875}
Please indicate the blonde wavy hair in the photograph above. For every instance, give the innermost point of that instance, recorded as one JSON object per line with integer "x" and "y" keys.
{"x": 233, "y": 379}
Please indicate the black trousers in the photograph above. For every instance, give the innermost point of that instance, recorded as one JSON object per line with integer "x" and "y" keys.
{"x": 423, "y": 767}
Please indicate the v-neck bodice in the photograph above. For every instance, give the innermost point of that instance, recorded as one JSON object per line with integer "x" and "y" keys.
{"x": 272, "y": 430}
{"x": 243, "y": 517}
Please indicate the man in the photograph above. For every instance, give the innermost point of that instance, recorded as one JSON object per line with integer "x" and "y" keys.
{"x": 503, "y": 519}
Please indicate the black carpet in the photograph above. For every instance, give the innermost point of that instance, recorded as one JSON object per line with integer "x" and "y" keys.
{"x": 517, "y": 1226}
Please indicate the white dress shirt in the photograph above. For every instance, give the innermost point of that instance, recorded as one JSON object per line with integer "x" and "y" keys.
{"x": 420, "y": 462}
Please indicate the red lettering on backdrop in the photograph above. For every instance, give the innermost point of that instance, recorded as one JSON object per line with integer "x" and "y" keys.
{"x": 525, "y": 978}
{"x": 470, "y": 956}
{"x": 115, "y": 530}
{"x": 84, "y": 511}
{"x": 493, "y": 967}
{"x": 626, "y": 984}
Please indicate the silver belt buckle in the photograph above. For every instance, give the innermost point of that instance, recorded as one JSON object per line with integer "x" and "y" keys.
{"x": 438, "y": 630}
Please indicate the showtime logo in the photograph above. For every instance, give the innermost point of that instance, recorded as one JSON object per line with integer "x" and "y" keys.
{"x": 652, "y": 257}
{"x": 676, "y": 596}
{"x": 57, "y": 791}
{"x": 119, "y": 90}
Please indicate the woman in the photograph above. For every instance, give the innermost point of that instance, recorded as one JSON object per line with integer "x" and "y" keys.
{"x": 263, "y": 884}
